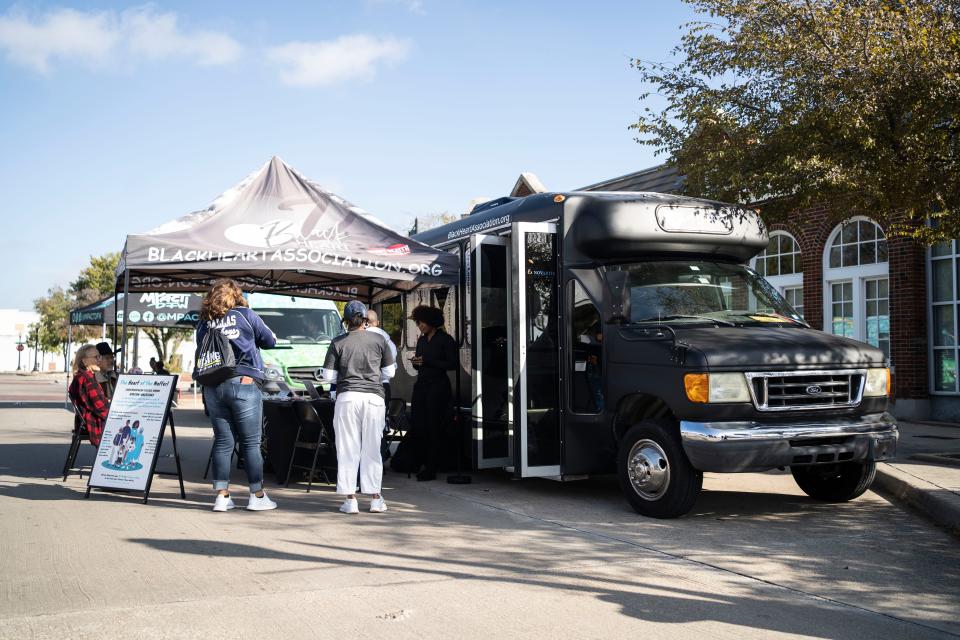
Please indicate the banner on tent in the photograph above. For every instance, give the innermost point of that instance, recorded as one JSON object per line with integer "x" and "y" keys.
{"x": 151, "y": 309}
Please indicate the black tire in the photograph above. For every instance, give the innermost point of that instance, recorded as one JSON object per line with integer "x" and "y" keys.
{"x": 651, "y": 488}
{"x": 835, "y": 482}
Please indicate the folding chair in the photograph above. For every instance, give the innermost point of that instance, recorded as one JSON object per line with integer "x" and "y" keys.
{"x": 313, "y": 434}
{"x": 80, "y": 434}
{"x": 235, "y": 452}
{"x": 395, "y": 427}
{"x": 397, "y": 422}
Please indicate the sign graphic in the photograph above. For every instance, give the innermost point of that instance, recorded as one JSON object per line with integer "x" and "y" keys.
{"x": 127, "y": 454}
{"x": 392, "y": 250}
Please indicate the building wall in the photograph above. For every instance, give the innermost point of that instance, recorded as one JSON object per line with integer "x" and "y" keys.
{"x": 907, "y": 303}
{"x": 9, "y": 335}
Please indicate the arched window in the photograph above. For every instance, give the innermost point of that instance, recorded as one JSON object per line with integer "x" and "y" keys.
{"x": 780, "y": 258}
{"x": 856, "y": 293}
{"x": 858, "y": 242}
{"x": 780, "y": 264}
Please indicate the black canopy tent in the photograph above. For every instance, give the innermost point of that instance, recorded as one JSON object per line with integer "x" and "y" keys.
{"x": 143, "y": 310}
{"x": 278, "y": 232}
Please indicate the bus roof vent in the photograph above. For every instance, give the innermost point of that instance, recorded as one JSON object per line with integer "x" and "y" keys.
{"x": 491, "y": 204}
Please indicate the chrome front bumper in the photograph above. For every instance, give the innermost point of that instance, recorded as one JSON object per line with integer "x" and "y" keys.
{"x": 756, "y": 446}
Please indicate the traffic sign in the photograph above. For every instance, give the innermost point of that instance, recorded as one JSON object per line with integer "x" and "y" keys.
{"x": 19, "y": 347}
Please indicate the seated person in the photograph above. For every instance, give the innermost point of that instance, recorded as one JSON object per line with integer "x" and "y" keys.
{"x": 87, "y": 394}
{"x": 158, "y": 368}
{"x": 107, "y": 369}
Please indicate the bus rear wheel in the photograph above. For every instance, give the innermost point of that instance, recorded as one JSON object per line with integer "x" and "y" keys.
{"x": 655, "y": 475}
{"x": 835, "y": 482}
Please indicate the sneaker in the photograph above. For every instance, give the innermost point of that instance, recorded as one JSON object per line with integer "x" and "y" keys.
{"x": 223, "y": 503}
{"x": 260, "y": 504}
{"x": 350, "y": 506}
{"x": 378, "y": 505}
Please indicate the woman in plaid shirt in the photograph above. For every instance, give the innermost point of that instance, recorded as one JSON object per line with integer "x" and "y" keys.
{"x": 86, "y": 393}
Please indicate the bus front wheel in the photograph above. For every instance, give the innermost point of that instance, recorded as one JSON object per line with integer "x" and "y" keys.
{"x": 835, "y": 482}
{"x": 655, "y": 475}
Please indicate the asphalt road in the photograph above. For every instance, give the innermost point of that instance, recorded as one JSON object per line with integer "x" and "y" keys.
{"x": 33, "y": 388}
{"x": 498, "y": 558}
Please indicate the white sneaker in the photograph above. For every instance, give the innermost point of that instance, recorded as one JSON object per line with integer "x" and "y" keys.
{"x": 378, "y": 505}
{"x": 223, "y": 503}
{"x": 260, "y": 504}
{"x": 350, "y": 506}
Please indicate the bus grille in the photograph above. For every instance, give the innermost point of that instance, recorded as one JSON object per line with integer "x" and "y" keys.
{"x": 801, "y": 390}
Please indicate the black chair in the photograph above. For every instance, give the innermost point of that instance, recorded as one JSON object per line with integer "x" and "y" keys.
{"x": 235, "y": 452}
{"x": 313, "y": 434}
{"x": 80, "y": 434}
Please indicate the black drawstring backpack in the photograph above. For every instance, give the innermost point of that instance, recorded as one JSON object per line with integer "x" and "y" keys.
{"x": 216, "y": 361}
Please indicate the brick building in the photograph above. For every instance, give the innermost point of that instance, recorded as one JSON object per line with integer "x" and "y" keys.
{"x": 849, "y": 279}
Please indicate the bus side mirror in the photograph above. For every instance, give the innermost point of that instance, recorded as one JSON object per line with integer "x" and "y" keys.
{"x": 618, "y": 298}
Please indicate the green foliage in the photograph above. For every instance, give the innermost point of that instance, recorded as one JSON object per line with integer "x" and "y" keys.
{"x": 791, "y": 103}
{"x": 97, "y": 280}
{"x": 54, "y": 310}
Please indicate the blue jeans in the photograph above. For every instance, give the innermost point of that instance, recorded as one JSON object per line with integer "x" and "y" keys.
{"x": 236, "y": 412}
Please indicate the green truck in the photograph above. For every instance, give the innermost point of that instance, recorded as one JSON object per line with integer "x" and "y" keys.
{"x": 304, "y": 328}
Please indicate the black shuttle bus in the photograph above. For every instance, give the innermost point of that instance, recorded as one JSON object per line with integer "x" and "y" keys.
{"x": 623, "y": 332}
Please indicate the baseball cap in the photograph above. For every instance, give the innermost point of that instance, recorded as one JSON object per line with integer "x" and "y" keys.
{"x": 354, "y": 308}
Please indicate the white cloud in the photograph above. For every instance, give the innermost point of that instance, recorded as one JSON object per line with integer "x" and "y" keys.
{"x": 346, "y": 58}
{"x": 106, "y": 38}
{"x": 63, "y": 33}
{"x": 157, "y": 36}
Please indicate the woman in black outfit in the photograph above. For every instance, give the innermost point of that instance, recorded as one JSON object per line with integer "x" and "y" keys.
{"x": 436, "y": 354}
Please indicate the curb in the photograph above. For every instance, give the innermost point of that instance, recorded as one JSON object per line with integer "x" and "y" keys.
{"x": 32, "y": 404}
{"x": 930, "y": 500}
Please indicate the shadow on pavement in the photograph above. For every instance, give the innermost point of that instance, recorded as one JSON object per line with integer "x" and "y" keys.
{"x": 646, "y": 601}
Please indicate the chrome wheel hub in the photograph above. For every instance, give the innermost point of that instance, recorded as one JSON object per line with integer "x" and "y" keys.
{"x": 648, "y": 470}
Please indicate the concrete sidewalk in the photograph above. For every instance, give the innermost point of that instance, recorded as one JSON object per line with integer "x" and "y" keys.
{"x": 925, "y": 475}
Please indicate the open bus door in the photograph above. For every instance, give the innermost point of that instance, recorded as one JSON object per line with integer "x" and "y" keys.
{"x": 536, "y": 334}
{"x": 491, "y": 413}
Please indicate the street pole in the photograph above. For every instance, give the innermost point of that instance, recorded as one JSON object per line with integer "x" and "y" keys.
{"x": 36, "y": 351}
{"x": 19, "y": 350}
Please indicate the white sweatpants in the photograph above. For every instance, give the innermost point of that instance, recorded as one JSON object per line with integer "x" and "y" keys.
{"x": 358, "y": 420}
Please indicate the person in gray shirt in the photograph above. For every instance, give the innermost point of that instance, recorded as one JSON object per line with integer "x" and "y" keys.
{"x": 357, "y": 361}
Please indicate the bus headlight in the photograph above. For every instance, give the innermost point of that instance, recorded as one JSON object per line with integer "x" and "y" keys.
{"x": 878, "y": 383}
{"x": 716, "y": 387}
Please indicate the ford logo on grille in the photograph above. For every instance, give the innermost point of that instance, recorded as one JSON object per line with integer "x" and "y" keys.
{"x": 813, "y": 390}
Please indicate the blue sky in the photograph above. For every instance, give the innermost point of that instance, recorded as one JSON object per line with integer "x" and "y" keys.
{"x": 117, "y": 117}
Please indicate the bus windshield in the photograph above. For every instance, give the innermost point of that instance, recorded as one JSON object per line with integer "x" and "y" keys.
{"x": 302, "y": 326}
{"x": 689, "y": 291}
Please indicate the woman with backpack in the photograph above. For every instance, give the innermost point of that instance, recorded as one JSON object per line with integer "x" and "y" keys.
{"x": 229, "y": 367}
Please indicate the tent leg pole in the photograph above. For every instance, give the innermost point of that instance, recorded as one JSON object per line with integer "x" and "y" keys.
{"x": 126, "y": 298}
{"x": 113, "y": 330}
{"x": 66, "y": 358}
{"x": 136, "y": 347}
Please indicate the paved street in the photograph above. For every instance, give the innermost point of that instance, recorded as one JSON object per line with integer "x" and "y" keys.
{"x": 33, "y": 388}
{"x": 755, "y": 559}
